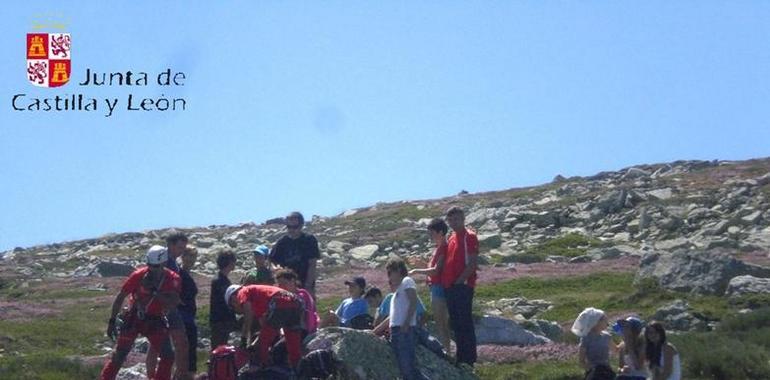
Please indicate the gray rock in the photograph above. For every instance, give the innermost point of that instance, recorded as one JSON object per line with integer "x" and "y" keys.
{"x": 673, "y": 244}
{"x": 337, "y": 246}
{"x": 367, "y": 357}
{"x": 697, "y": 272}
{"x": 490, "y": 241}
{"x": 742, "y": 285}
{"x": 518, "y": 305}
{"x": 111, "y": 269}
{"x": 678, "y": 316}
{"x": 495, "y": 330}
{"x": 581, "y": 259}
{"x": 661, "y": 194}
{"x": 550, "y": 330}
{"x": 365, "y": 252}
{"x": 752, "y": 218}
{"x": 612, "y": 202}
{"x": 137, "y": 372}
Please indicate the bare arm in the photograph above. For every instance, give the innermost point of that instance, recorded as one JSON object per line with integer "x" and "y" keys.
{"x": 411, "y": 294}
{"x": 382, "y": 327}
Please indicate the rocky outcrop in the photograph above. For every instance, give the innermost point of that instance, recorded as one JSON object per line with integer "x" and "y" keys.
{"x": 496, "y": 330}
{"x": 695, "y": 271}
{"x": 367, "y": 357}
{"x": 743, "y": 285}
{"x": 679, "y": 316}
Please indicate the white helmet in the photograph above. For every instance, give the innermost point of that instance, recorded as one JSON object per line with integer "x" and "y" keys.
{"x": 157, "y": 255}
{"x": 229, "y": 293}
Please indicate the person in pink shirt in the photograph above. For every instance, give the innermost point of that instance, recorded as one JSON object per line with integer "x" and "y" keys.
{"x": 287, "y": 279}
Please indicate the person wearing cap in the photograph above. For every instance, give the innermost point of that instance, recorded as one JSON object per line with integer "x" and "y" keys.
{"x": 153, "y": 290}
{"x": 276, "y": 309}
{"x": 297, "y": 251}
{"x": 352, "y": 306}
{"x": 631, "y": 354}
{"x": 261, "y": 274}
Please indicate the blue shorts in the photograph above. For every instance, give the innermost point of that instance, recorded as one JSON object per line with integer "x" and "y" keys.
{"x": 437, "y": 292}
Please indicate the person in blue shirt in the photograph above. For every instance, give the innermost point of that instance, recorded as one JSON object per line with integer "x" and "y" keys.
{"x": 352, "y": 306}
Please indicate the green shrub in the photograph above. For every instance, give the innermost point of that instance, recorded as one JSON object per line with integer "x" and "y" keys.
{"x": 46, "y": 366}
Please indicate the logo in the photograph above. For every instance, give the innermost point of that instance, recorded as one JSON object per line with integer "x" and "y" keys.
{"x": 49, "y": 59}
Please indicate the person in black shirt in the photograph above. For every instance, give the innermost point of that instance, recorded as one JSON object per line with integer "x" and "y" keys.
{"x": 297, "y": 251}
{"x": 221, "y": 317}
{"x": 188, "y": 308}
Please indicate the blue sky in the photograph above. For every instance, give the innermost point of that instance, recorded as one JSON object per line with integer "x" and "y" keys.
{"x": 326, "y": 106}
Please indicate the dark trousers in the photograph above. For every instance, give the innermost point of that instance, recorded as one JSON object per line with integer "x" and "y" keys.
{"x": 192, "y": 344}
{"x": 459, "y": 302}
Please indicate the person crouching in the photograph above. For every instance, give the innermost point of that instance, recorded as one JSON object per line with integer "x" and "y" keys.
{"x": 275, "y": 309}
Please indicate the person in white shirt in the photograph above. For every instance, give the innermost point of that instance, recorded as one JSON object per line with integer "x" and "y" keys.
{"x": 402, "y": 320}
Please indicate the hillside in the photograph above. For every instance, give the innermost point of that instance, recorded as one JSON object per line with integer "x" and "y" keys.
{"x": 547, "y": 252}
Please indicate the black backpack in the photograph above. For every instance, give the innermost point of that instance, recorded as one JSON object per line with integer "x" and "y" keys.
{"x": 318, "y": 364}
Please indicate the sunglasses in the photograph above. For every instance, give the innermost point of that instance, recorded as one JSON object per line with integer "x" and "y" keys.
{"x": 293, "y": 227}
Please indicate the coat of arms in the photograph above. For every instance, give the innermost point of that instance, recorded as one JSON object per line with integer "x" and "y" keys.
{"x": 49, "y": 60}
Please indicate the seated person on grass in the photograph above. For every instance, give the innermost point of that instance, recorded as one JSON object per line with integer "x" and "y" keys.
{"x": 350, "y": 307}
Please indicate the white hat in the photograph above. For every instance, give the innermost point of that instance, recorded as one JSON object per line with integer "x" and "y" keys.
{"x": 230, "y": 291}
{"x": 586, "y": 321}
{"x": 157, "y": 255}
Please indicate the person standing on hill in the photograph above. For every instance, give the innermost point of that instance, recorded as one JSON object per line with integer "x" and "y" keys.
{"x": 153, "y": 290}
{"x": 221, "y": 317}
{"x": 437, "y": 229}
{"x": 298, "y": 251}
{"x": 459, "y": 279}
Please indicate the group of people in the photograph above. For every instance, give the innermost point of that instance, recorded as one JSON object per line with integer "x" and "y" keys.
{"x": 278, "y": 296}
{"x": 644, "y": 353}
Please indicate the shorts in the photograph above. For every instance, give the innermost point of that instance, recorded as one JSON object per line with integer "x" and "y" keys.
{"x": 437, "y": 292}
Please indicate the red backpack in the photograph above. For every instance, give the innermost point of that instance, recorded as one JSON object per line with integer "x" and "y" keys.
{"x": 225, "y": 361}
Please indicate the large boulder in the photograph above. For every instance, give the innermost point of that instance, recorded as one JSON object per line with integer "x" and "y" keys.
{"x": 694, "y": 271}
{"x": 742, "y": 285}
{"x": 678, "y": 316}
{"x": 496, "y": 330}
{"x": 367, "y": 357}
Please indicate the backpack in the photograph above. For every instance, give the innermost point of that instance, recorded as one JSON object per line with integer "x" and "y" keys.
{"x": 224, "y": 362}
{"x": 267, "y": 373}
{"x": 318, "y": 364}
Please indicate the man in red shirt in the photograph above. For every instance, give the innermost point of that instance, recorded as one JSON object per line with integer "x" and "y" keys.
{"x": 153, "y": 290}
{"x": 459, "y": 280}
{"x": 275, "y": 308}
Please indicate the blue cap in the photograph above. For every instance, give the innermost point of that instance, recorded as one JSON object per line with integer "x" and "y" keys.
{"x": 261, "y": 250}
{"x": 634, "y": 322}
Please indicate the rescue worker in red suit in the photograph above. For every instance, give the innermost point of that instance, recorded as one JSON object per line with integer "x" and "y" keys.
{"x": 153, "y": 290}
{"x": 275, "y": 309}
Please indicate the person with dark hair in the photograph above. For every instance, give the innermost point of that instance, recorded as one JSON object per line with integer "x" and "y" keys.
{"x": 437, "y": 229}
{"x": 631, "y": 351}
{"x": 662, "y": 356}
{"x": 459, "y": 280}
{"x": 153, "y": 290}
{"x": 373, "y": 297}
{"x": 350, "y": 307}
{"x": 221, "y": 317}
{"x": 286, "y": 279}
{"x": 402, "y": 320}
{"x": 298, "y": 251}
